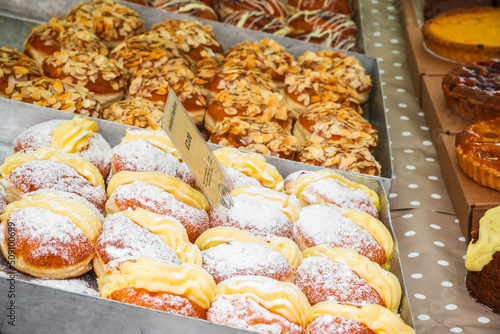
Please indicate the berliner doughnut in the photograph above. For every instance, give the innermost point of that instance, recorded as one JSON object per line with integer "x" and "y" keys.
{"x": 154, "y": 84}
{"x": 334, "y": 6}
{"x": 329, "y": 38}
{"x": 260, "y": 304}
{"x": 228, "y": 252}
{"x": 58, "y": 94}
{"x": 185, "y": 289}
{"x": 267, "y": 56}
{"x": 138, "y": 112}
{"x": 78, "y": 135}
{"x": 345, "y": 277}
{"x": 145, "y": 51}
{"x": 274, "y": 8}
{"x": 49, "y": 168}
{"x": 332, "y": 318}
{"x": 104, "y": 77}
{"x": 55, "y": 233}
{"x": 257, "y": 20}
{"x": 149, "y": 151}
{"x": 190, "y": 36}
{"x": 335, "y": 122}
{"x": 322, "y": 20}
{"x": 110, "y": 21}
{"x": 252, "y": 165}
{"x": 14, "y": 68}
{"x": 3, "y": 203}
{"x": 188, "y": 7}
{"x": 238, "y": 179}
{"x": 338, "y": 155}
{"x": 253, "y": 103}
{"x": 346, "y": 68}
{"x": 161, "y": 194}
{"x": 268, "y": 138}
{"x": 45, "y": 39}
{"x": 263, "y": 212}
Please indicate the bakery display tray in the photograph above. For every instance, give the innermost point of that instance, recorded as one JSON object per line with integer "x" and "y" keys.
{"x": 53, "y": 309}
{"x": 17, "y": 18}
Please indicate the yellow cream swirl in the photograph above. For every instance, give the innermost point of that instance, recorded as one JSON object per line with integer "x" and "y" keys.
{"x": 73, "y": 135}
{"x": 481, "y": 252}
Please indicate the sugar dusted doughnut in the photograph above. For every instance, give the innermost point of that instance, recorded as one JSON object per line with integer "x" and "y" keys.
{"x": 14, "y": 68}
{"x": 138, "y": 112}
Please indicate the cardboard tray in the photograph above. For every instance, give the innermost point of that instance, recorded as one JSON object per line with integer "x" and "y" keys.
{"x": 17, "y": 18}
{"x": 43, "y": 309}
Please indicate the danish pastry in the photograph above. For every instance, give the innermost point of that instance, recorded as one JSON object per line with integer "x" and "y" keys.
{"x": 275, "y": 8}
{"x": 49, "y": 168}
{"x": 188, "y": 7}
{"x": 137, "y": 112}
{"x": 334, "y": 6}
{"x": 78, "y": 135}
{"x": 257, "y": 20}
{"x": 14, "y": 68}
{"x": 329, "y": 38}
{"x": 305, "y": 21}
{"x": 55, "y": 234}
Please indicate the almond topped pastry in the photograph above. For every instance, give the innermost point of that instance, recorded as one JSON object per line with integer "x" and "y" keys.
{"x": 14, "y": 68}
{"x": 189, "y": 7}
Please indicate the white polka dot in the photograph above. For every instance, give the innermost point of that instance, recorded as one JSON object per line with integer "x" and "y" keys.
{"x": 412, "y": 255}
{"x": 408, "y": 215}
{"x": 383, "y": 83}
{"x": 397, "y": 65}
{"x": 461, "y": 239}
{"x": 446, "y": 284}
{"x": 393, "y": 195}
{"x": 402, "y": 105}
{"x": 406, "y": 133}
{"x": 456, "y": 221}
{"x": 390, "y": 7}
{"x": 398, "y": 77}
{"x": 436, "y": 196}
{"x": 417, "y": 276}
{"x": 386, "y": 109}
{"x": 400, "y": 90}
{"x": 483, "y": 320}
{"x": 410, "y": 233}
{"x": 419, "y": 296}
{"x": 404, "y": 118}
{"x": 415, "y": 203}
{"x": 420, "y": 114}
{"x": 388, "y": 126}
{"x": 374, "y": 10}
{"x": 380, "y": 59}
{"x": 377, "y": 33}
{"x": 451, "y": 307}
{"x": 423, "y": 317}
{"x": 430, "y": 159}
{"x": 396, "y": 52}
{"x": 443, "y": 263}
{"x": 456, "y": 330}
{"x": 463, "y": 257}
{"x": 436, "y": 227}
{"x": 392, "y": 17}
{"x": 378, "y": 45}
{"x": 433, "y": 178}
{"x": 408, "y": 151}
{"x": 427, "y": 143}
{"x": 423, "y": 127}
{"x": 438, "y": 243}
{"x": 411, "y": 167}
{"x": 413, "y": 186}
{"x": 382, "y": 72}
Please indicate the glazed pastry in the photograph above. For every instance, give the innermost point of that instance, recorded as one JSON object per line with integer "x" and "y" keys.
{"x": 252, "y": 303}
{"x": 49, "y": 168}
{"x": 145, "y": 51}
{"x": 267, "y": 56}
{"x": 263, "y": 212}
{"x": 275, "y": 8}
{"x": 322, "y": 20}
{"x": 478, "y": 152}
{"x": 58, "y": 94}
{"x": 104, "y": 77}
{"x": 139, "y": 2}
{"x": 252, "y": 165}
{"x": 338, "y": 155}
{"x": 257, "y": 20}
{"x": 483, "y": 261}
{"x": 187, "y": 7}
{"x": 161, "y": 194}
{"x": 191, "y": 37}
{"x": 299, "y": 183}
{"x": 253, "y": 103}
{"x": 226, "y": 250}
{"x": 331, "y": 318}
{"x": 464, "y": 35}
{"x": 110, "y": 21}
{"x": 149, "y": 151}
{"x": 346, "y": 68}
{"x": 185, "y": 289}
{"x": 323, "y": 224}
{"x": 335, "y": 122}
{"x": 57, "y": 35}
{"x": 78, "y": 135}
{"x": 14, "y": 68}
{"x": 268, "y": 138}
{"x": 138, "y": 112}
{"x": 334, "y": 6}
{"x": 473, "y": 90}
{"x": 154, "y": 84}
{"x": 55, "y": 234}
{"x": 128, "y": 235}
{"x": 329, "y": 38}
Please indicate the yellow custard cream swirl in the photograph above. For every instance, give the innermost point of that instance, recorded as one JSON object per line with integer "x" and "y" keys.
{"x": 73, "y": 135}
{"x": 481, "y": 252}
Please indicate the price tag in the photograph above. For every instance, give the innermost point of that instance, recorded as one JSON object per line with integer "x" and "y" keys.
{"x": 196, "y": 154}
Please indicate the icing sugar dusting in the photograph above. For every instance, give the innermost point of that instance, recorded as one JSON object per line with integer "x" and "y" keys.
{"x": 239, "y": 179}
{"x": 73, "y": 285}
{"x": 329, "y": 324}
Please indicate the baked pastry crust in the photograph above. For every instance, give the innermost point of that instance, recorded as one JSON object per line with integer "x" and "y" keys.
{"x": 473, "y": 90}
{"x": 334, "y": 6}
{"x": 478, "y": 152}
{"x": 329, "y": 38}
{"x": 464, "y": 35}
{"x": 257, "y": 20}
{"x": 14, "y": 68}
{"x": 188, "y": 7}
{"x": 275, "y": 8}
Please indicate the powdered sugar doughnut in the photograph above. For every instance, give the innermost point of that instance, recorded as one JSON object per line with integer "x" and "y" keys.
{"x": 329, "y": 324}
